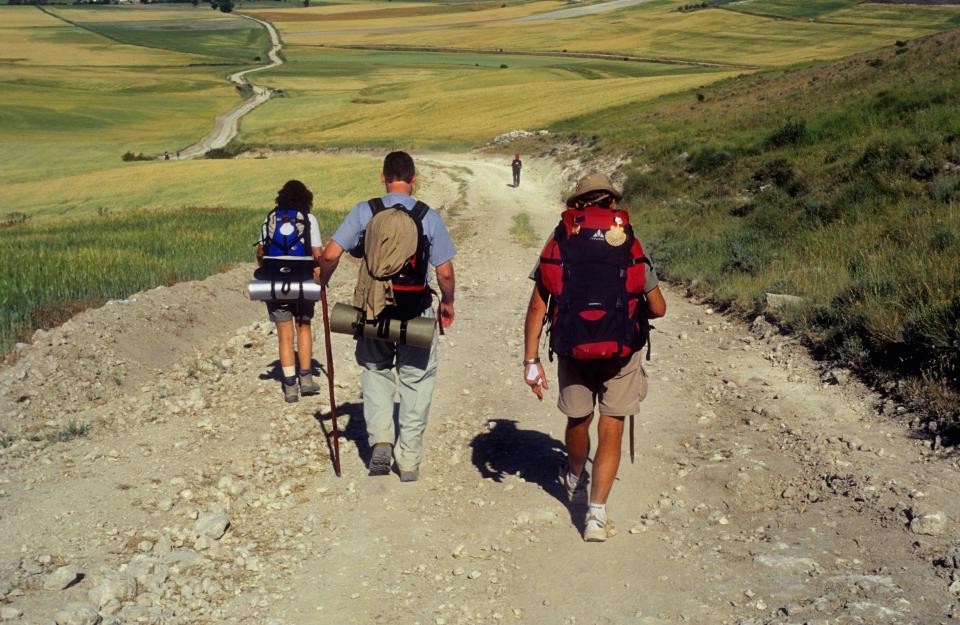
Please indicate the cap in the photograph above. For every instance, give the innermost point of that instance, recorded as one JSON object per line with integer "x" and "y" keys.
{"x": 593, "y": 182}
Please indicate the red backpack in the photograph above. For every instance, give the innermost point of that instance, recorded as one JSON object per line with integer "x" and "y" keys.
{"x": 594, "y": 269}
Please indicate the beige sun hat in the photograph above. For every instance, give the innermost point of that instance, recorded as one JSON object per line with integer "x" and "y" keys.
{"x": 593, "y": 182}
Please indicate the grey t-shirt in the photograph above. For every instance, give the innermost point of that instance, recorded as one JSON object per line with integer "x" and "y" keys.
{"x": 441, "y": 246}
{"x": 651, "y": 281}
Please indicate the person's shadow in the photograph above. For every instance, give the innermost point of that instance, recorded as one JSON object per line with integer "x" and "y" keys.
{"x": 533, "y": 456}
{"x": 355, "y": 430}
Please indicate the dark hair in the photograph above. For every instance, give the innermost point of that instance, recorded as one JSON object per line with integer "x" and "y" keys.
{"x": 602, "y": 199}
{"x": 295, "y": 195}
{"x": 398, "y": 166}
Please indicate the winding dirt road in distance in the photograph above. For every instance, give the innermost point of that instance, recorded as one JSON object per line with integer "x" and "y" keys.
{"x": 227, "y": 125}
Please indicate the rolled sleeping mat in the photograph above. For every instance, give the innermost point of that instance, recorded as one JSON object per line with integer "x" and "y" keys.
{"x": 279, "y": 290}
{"x": 417, "y": 332}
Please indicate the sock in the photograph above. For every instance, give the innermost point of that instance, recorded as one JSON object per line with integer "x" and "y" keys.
{"x": 305, "y": 373}
{"x": 599, "y": 510}
{"x": 572, "y": 480}
{"x": 289, "y": 372}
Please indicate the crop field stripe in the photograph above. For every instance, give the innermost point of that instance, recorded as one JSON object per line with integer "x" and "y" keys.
{"x": 792, "y": 18}
{"x": 606, "y": 56}
{"x": 118, "y": 41}
{"x": 96, "y": 33}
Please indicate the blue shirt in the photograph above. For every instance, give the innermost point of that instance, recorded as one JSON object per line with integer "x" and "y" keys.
{"x": 441, "y": 247}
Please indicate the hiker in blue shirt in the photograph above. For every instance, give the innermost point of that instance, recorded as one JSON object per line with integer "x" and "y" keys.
{"x": 416, "y": 367}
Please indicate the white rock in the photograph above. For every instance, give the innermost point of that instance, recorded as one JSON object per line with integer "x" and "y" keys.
{"x": 77, "y": 615}
{"x": 61, "y": 578}
{"x": 115, "y": 586}
{"x": 211, "y": 525}
{"x": 8, "y": 613}
{"x": 932, "y": 523}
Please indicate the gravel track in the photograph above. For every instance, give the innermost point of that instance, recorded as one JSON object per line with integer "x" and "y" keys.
{"x": 764, "y": 491}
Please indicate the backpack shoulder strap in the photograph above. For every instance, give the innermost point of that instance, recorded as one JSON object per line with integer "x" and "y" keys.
{"x": 376, "y": 205}
{"x": 419, "y": 211}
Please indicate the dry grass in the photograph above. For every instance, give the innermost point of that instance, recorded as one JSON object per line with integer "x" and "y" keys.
{"x": 425, "y": 98}
{"x": 388, "y": 16}
{"x": 337, "y": 182}
{"x": 651, "y": 30}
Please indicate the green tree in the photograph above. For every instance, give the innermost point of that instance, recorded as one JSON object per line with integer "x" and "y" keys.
{"x": 226, "y": 5}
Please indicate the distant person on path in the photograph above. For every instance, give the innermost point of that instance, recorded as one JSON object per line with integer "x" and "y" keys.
{"x": 416, "y": 367}
{"x": 517, "y": 165}
{"x": 290, "y": 237}
{"x": 599, "y": 290}
{"x": 166, "y": 155}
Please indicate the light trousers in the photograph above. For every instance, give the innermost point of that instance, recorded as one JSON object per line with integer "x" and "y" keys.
{"x": 387, "y": 369}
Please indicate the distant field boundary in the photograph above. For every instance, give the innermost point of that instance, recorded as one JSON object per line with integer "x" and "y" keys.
{"x": 606, "y": 56}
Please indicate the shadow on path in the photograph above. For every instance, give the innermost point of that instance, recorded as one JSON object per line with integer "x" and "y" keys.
{"x": 531, "y": 455}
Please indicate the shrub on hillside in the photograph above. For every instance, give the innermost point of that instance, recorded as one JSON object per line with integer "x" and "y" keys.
{"x": 793, "y": 132}
{"x": 708, "y": 158}
{"x": 643, "y": 187}
{"x": 778, "y": 171}
{"x": 139, "y": 156}
{"x": 945, "y": 188}
{"x": 943, "y": 239}
{"x": 748, "y": 253}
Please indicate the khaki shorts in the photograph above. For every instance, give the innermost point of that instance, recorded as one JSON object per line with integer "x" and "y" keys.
{"x": 618, "y": 390}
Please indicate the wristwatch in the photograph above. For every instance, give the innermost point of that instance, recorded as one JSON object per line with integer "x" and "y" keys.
{"x": 532, "y": 361}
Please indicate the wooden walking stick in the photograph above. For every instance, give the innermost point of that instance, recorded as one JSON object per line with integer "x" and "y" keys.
{"x": 329, "y": 372}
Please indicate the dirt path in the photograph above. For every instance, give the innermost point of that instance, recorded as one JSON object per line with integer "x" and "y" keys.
{"x": 227, "y": 125}
{"x": 760, "y": 494}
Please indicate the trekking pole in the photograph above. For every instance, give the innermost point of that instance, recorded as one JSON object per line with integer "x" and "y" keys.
{"x": 631, "y": 440}
{"x": 333, "y": 401}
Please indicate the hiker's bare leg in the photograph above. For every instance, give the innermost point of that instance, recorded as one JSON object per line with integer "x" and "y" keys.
{"x": 578, "y": 443}
{"x": 285, "y": 340}
{"x": 607, "y": 461}
{"x": 305, "y": 347}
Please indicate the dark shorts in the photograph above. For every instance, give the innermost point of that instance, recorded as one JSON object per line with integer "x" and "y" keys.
{"x": 286, "y": 311}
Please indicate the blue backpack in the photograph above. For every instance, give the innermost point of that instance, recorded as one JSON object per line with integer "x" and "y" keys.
{"x": 286, "y": 233}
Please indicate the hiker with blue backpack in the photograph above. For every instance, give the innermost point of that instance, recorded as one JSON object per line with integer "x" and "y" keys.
{"x": 289, "y": 249}
{"x": 598, "y": 290}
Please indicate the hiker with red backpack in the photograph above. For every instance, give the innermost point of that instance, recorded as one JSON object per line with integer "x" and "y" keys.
{"x": 598, "y": 290}
{"x": 288, "y": 251}
{"x": 398, "y": 238}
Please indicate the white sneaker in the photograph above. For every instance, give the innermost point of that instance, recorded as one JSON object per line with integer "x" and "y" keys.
{"x": 577, "y": 494}
{"x": 597, "y": 529}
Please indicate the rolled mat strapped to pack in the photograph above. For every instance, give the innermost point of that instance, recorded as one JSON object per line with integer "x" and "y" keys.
{"x": 273, "y": 290}
{"x": 418, "y": 332}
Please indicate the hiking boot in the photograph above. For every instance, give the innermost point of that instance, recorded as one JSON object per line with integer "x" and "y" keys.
{"x": 410, "y": 476}
{"x": 291, "y": 392}
{"x": 598, "y": 529}
{"x": 381, "y": 458}
{"x": 308, "y": 386}
{"x": 578, "y": 493}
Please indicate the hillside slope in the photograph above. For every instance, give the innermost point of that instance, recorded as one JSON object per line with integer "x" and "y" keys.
{"x": 838, "y": 183}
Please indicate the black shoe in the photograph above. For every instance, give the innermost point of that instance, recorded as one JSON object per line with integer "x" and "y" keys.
{"x": 381, "y": 459}
{"x": 291, "y": 392}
